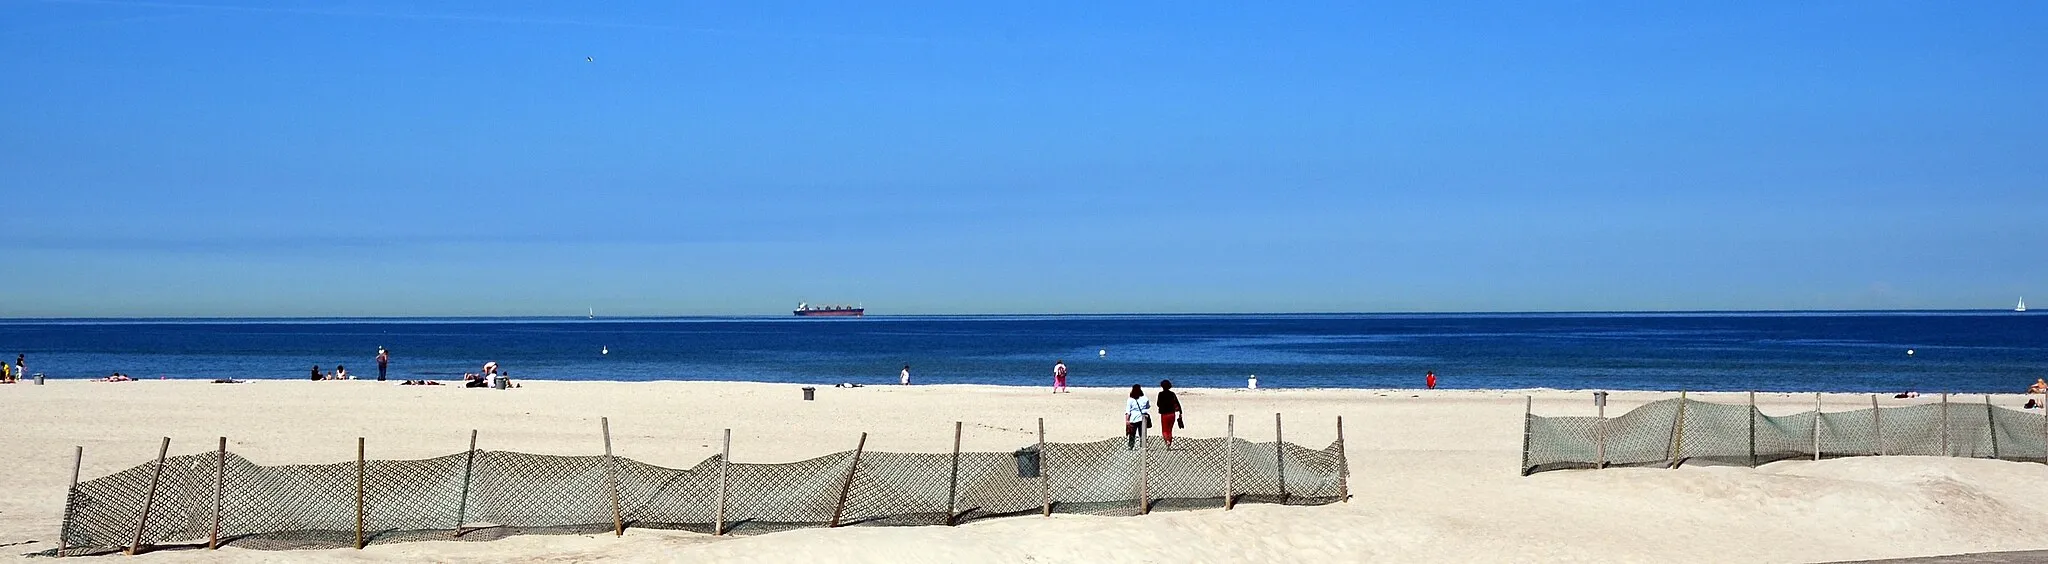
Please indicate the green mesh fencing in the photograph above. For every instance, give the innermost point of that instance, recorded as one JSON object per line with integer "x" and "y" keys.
{"x": 483, "y": 494}
{"x": 1680, "y": 431}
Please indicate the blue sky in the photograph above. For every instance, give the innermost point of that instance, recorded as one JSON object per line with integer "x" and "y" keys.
{"x": 204, "y": 157}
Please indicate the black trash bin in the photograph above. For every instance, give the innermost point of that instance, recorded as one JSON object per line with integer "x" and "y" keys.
{"x": 1027, "y": 462}
{"x": 810, "y": 393}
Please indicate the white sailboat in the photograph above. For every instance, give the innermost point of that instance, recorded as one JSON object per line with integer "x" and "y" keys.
{"x": 2022, "y": 306}
{"x": 593, "y": 313}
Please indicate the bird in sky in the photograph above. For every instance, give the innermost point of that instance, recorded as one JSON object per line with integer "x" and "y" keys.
{"x": 589, "y": 60}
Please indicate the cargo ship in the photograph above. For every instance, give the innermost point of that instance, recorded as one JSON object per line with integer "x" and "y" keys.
{"x": 808, "y": 310}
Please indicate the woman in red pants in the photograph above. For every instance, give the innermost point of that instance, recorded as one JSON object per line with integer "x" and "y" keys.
{"x": 1169, "y": 412}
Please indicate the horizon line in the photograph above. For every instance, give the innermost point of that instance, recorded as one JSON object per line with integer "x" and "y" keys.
{"x": 1006, "y": 315}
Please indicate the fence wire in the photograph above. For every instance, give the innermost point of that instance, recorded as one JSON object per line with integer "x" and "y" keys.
{"x": 1679, "y": 431}
{"x": 484, "y": 495}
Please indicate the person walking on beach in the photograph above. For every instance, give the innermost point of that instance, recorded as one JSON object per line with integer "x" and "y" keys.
{"x": 1429, "y": 380}
{"x": 19, "y": 368}
{"x": 1135, "y": 417}
{"x": 1169, "y": 412}
{"x": 1059, "y": 376}
{"x": 383, "y": 363}
{"x": 904, "y": 378}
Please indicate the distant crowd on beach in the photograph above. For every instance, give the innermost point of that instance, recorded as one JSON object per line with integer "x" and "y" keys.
{"x": 13, "y": 373}
{"x": 1137, "y": 416}
{"x": 490, "y": 376}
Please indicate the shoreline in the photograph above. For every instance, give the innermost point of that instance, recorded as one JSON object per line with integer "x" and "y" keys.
{"x": 1149, "y": 386}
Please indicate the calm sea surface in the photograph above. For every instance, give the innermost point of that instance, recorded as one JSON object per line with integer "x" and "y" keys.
{"x": 1849, "y": 352}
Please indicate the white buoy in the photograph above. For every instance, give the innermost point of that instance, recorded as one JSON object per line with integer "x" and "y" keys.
{"x": 1909, "y": 352}
{"x": 1101, "y": 353}
{"x": 604, "y": 350}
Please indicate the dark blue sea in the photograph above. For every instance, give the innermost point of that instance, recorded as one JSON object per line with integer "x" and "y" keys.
{"x": 1847, "y": 352}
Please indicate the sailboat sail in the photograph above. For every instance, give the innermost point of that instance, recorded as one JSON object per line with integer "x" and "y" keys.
{"x": 2022, "y": 306}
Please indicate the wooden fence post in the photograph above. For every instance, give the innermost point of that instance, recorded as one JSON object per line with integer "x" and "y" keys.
{"x": 724, "y": 472}
{"x": 220, "y": 487}
{"x": 142, "y": 522}
{"x": 1816, "y": 426}
{"x": 1752, "y": 429}
{"x": 1599, "y": 436}
{"x": 1229, "y": 462}
{"x": 1991, "y": 424}
{"x": 468, "y": 467}
{"x": 1280, "y": 458}
{"x": 1877, "y": 424}
{"x": 1675, "y": 457}
{"x": 851, "y": 469}
{"x": 1044, "y": 488}
{"x": 1944, "y": 425}
{"x": 1528, "y": 420}
{"x": 953, "y": 485}
{"x": 611, "y": 479}
{"x": 360, "y": 521}
{"x": 77, "y": 462}
{"x": 1144, "y": 473}
{"x": 1343, "y": 465}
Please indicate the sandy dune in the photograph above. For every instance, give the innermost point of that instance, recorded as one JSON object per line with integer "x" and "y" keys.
{"x": 1434, "y": 473}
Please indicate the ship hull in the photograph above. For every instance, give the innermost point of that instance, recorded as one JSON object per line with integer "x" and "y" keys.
{"x": 830, "y": 312}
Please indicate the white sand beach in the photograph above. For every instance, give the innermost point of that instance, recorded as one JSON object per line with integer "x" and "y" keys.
{"x": 1435, "y": 475}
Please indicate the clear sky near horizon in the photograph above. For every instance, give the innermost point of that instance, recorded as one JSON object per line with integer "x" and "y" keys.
{"x": 283, "y": 158}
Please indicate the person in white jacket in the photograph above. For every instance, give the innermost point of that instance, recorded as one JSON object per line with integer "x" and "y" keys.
{"x": 1136, "y": 418}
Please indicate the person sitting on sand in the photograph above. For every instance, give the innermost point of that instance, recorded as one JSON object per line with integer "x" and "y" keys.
{"x": 117, "y": 377}
{"x": 2040, "y": 386}
{"x": 316, "y": 372}
{"x": 340, "y": 372}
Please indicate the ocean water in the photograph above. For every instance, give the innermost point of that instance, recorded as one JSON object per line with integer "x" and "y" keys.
{"x": 1845, "y": 352}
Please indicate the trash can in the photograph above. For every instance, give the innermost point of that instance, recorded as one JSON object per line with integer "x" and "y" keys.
{"x": 499, "y": 383}
{"x": 39, "y": 378}
{"x": 1027, "y": 462}
{"x": 1599, "y": 399}
{"x": 810, "y": 393}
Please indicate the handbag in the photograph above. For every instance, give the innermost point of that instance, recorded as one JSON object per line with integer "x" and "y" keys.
{"x": 1148, "y": 421}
